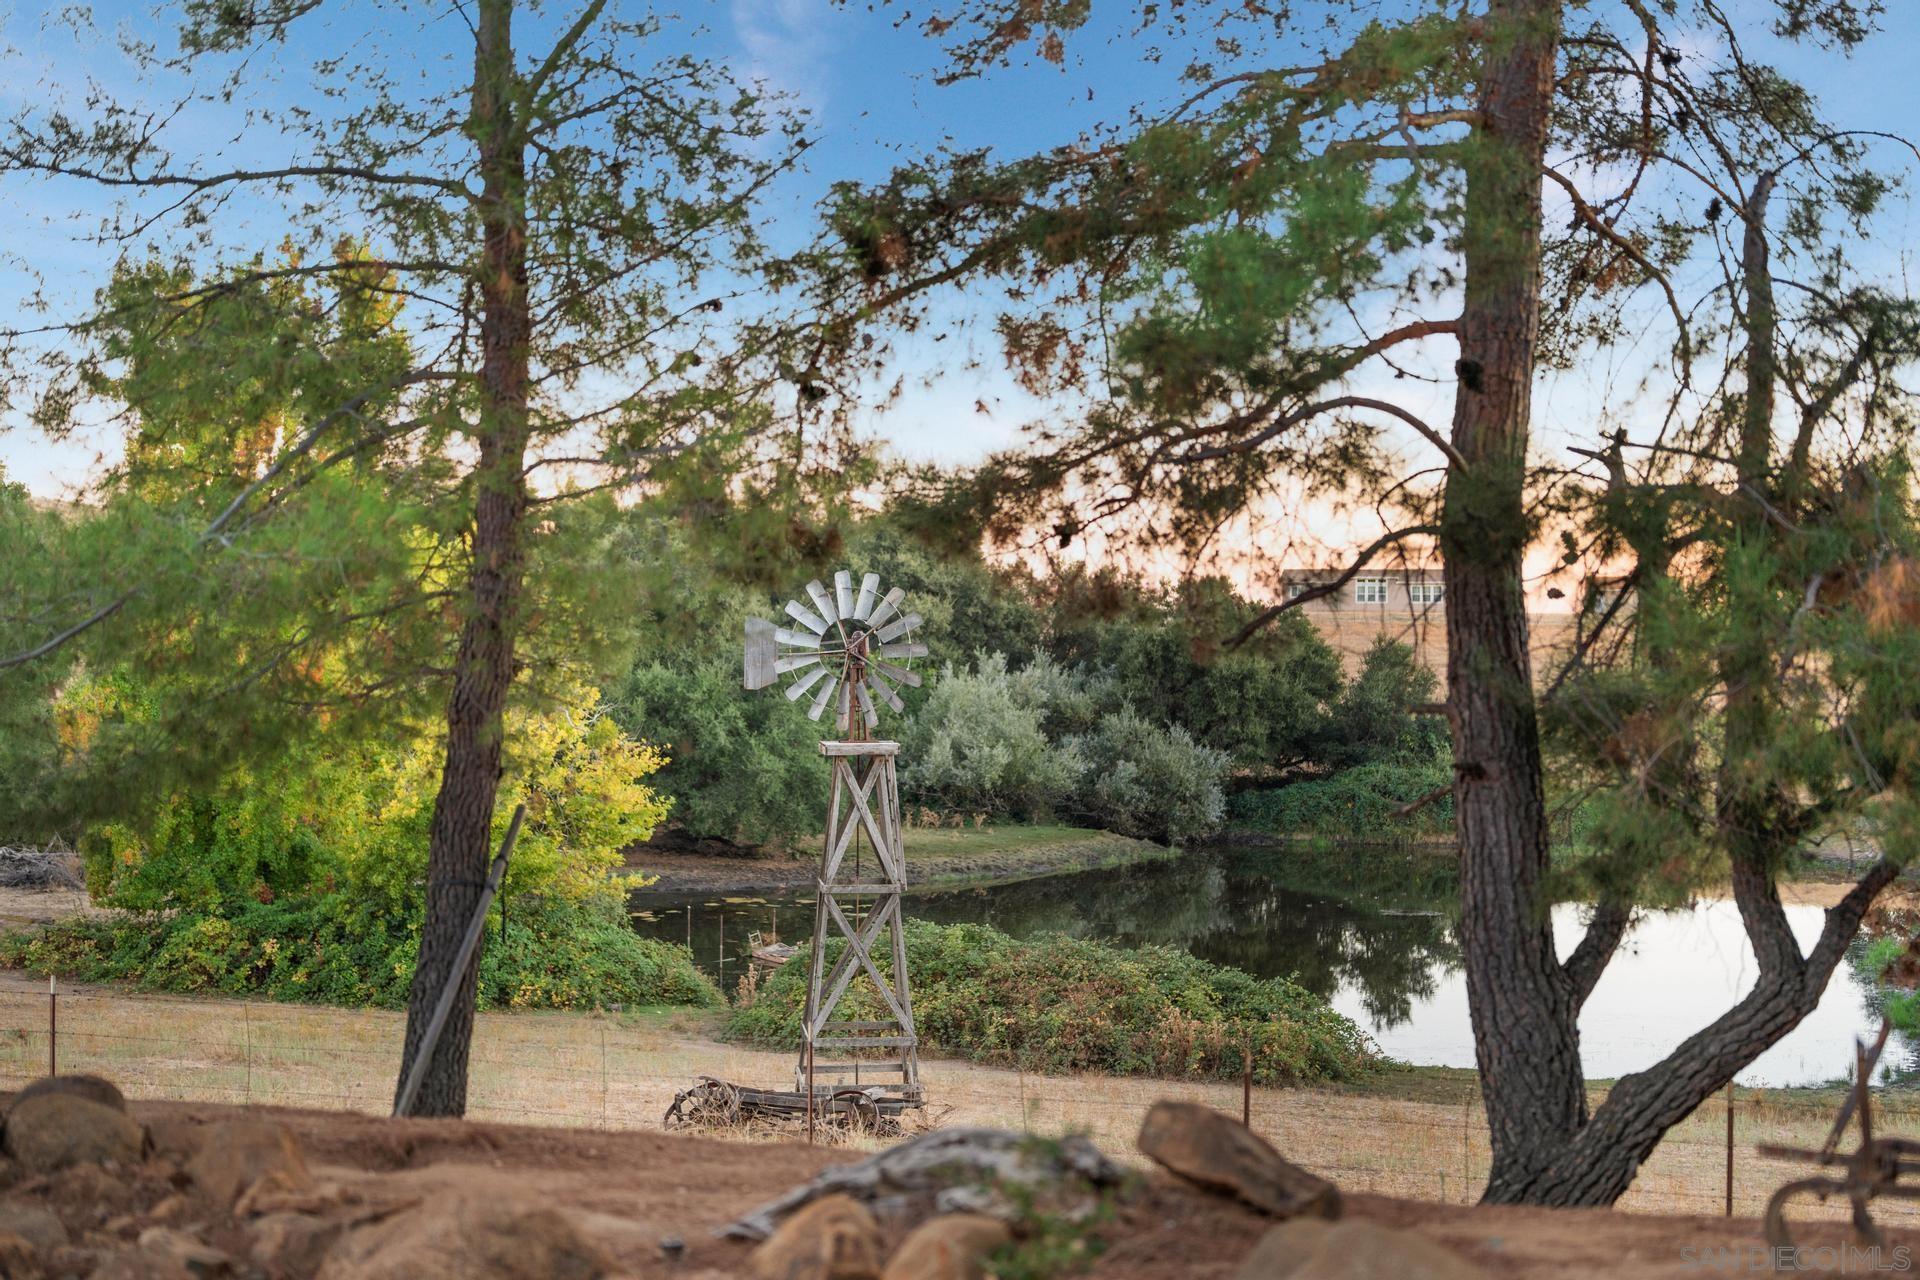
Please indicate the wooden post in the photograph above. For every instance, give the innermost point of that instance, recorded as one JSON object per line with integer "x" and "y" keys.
{"x": 430, "y": 1039}
{"x": 1729, "y": 1148}
{"x": 809, "y": 1051}
{"x": 1246, "y": 1087}
{"x": 53, "y": 1028}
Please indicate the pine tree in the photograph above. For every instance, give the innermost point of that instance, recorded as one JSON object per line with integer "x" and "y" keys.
{"x": 1215, "y": 276}
{"x": 561, "y": 229}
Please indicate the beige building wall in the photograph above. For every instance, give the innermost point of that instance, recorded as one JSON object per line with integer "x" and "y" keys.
{"x": 1404, "y": 606}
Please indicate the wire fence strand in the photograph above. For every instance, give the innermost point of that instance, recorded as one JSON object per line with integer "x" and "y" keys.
{"x": 610, "y": 1071}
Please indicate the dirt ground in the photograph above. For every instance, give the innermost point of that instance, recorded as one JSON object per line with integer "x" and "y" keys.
{"x": 631, "y": 1190}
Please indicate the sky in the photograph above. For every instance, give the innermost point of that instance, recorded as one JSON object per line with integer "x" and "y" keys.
{"x": 865, "y": 73}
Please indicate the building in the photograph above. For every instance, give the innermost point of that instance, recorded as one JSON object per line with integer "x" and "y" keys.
{"x": 1408, "y": 604}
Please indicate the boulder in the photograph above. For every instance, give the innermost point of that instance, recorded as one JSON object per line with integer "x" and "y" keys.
{"x": 1219, "y": 1153}
{"x": 35, "y": 1224}
{"x": 953, "y": 1246}
{"x": 292, "y": 1244}
{"x": 1311, "y": 1249}
{"x": 92, "y": 1088}
{"x": 201, "y": 1261}
{"x": 18, "y": 1260}
{"x": 56, "y": 1130}
{"x": 233, "y": 1155}
{"x": 455, "y": 1236}
{"x": 833, "y": 1238}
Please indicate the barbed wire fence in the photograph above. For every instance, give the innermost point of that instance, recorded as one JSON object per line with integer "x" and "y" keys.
{"x": 616, "y": 1071}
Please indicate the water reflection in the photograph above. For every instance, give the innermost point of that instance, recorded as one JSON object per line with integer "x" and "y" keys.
{"x": 1376, "y": 921}
{"x": 1373, "y": 931}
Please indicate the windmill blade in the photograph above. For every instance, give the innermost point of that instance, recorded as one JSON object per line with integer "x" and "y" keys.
{"x": 798, "y": 639}
{"x": 842, "y": 717}
{"x": 869, "y": 588}
{"x": 888, "y": 603}
{"x": 822, "y": 601}
{"x": 885, "y": 690}
{"x": 798, "y": 689}
{"x": 820, "y": 698}
{"x": 806, "y": 617}
{"x": 903, "y": 650}
{"x": 898, "y": 627}
{"x": 843, "y": 593}
{"x": 795, "y": 662}
{"x": 867, "y": 711}
{"x": 760, "y": 668}
{"x": 909, "y": 678}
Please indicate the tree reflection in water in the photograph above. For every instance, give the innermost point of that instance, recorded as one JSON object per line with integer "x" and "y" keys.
{"x": 1381, "y": 920}
{"x": 1377, "y": 919}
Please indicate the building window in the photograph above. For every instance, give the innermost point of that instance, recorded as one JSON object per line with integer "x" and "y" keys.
{"x": 1297, "y": 589}
{"x": 1370, "y": 590}
{"x": 1426, "y": 592}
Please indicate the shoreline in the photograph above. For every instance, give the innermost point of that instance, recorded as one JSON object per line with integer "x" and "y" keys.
{"x": 936, "y": 859}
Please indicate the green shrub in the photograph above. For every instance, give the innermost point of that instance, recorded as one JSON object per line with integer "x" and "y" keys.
{"x": 978, "y": 745}
{"x": 1359, "y": 803}
{"x": 1149, "y": 780}
{"x": 741, "y": 766}
{"x": 1060, "y": 1004}
{"x": 334, "y": 950}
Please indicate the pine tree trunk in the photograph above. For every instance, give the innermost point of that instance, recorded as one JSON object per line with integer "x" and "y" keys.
{"x": 1546, "y": 1150}
{"x": 1523, "y": 1004}
{"x": 459, "y": 838}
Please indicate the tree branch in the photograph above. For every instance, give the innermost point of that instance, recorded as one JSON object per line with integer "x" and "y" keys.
{"x": 1328, "y": 588}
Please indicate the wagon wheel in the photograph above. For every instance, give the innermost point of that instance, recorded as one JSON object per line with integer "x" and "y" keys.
{"x": 709, "y": 1102}
{"x": 861, "y": 1111}
{"x": 1775, "y": 1219}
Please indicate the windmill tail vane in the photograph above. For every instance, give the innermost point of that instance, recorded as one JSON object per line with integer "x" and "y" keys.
{"x": 846, "y": 648}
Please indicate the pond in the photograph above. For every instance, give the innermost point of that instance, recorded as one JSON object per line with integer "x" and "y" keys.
{"x": 1371, "y": 929}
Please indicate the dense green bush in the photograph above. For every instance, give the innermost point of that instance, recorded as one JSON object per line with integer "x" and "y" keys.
{"x": 1372, "y": 722}
{"x": 739, "y": 767}
{"x": 1061, "y": 1004}
{"x": 1358, "y": 803}
{"x": 977, "y": 745}
{"x": 333, "y": 949}
{"x": 298, "y": 876}
{"x": 1149, "y": 780}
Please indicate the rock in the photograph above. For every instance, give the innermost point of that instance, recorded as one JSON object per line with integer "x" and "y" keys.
{"x": 833, "y": 1238}
{"x": 56, "y": 1130}
{"x": 459, "y": 1237}
{"x": 953, "y": 1246}
{"x": 233, "y": 1155}
{"x": 202, "y": 1261}
{"x": 292, "y": 1244}
{"x": 1310, "y": 1249}
{"x": 17, "y": 1258}
{"x": 35, "y": 1224}
{"x": 1221, "y": 1154}
{"x": 92, "y": 1088}
{"x": 944, "y": 1170}
{"x": 139, "y": 1264}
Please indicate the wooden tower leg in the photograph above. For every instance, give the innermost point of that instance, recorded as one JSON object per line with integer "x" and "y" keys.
{"x": 864, "y": 803}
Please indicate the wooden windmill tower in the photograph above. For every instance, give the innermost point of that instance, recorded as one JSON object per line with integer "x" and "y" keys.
{"x": 850, "y": 651}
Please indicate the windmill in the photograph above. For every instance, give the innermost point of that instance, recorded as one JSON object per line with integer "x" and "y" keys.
{"x": 851, "y": 650}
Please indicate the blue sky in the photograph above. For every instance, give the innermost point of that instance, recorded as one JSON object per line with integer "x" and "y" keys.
{"x": 866, "y": 76}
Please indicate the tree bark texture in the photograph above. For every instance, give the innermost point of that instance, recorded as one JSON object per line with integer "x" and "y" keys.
{"x": 1523, "y": 1004}
{"x": 459, "y": 838}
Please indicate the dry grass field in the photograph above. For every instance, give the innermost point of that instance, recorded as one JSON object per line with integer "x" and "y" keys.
{"x": 1415, "y": 1134}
